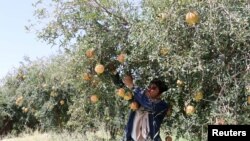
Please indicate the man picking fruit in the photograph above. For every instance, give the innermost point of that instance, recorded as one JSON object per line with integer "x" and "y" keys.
{"x": 144, "y": 123}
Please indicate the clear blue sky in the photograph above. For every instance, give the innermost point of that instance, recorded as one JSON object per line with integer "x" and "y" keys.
{"x": 15, "y": 42}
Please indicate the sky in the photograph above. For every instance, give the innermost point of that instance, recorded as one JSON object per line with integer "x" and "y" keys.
{"x": 15, "y": 41}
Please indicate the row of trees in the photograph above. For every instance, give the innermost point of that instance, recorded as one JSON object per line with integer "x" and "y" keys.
{"x": 200, "y": 48}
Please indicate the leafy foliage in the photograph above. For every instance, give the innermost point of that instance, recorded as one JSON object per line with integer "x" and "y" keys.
{"x": 206, "y": 65}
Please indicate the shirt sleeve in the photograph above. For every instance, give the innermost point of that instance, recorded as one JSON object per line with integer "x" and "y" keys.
{"x": 139, "y": 96}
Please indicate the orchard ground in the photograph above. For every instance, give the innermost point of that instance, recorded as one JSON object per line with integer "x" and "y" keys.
{"x": 101, "y": 135}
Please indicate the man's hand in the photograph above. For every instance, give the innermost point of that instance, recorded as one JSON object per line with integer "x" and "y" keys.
{"x": 128, "y": 81}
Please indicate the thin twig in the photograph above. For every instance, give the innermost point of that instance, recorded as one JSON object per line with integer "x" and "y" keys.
{"x": 110, "y": 13}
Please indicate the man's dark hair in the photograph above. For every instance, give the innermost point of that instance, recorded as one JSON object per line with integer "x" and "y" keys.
{"x": 160, "y": 84}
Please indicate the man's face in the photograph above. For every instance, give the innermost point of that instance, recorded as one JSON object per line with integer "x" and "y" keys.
{"x": 153, "y": 91}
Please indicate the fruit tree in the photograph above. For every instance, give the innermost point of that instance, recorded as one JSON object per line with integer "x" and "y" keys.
{"x": 199, "y": 47}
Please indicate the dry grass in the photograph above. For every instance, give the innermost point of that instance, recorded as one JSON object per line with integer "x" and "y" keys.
{"x": 64, "y": 136}
{"x": 100, "y": 135}
{"x": 38, "y": 136}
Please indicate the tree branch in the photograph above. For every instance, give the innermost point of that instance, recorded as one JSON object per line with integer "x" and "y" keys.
{"x": 125, "y": 22}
